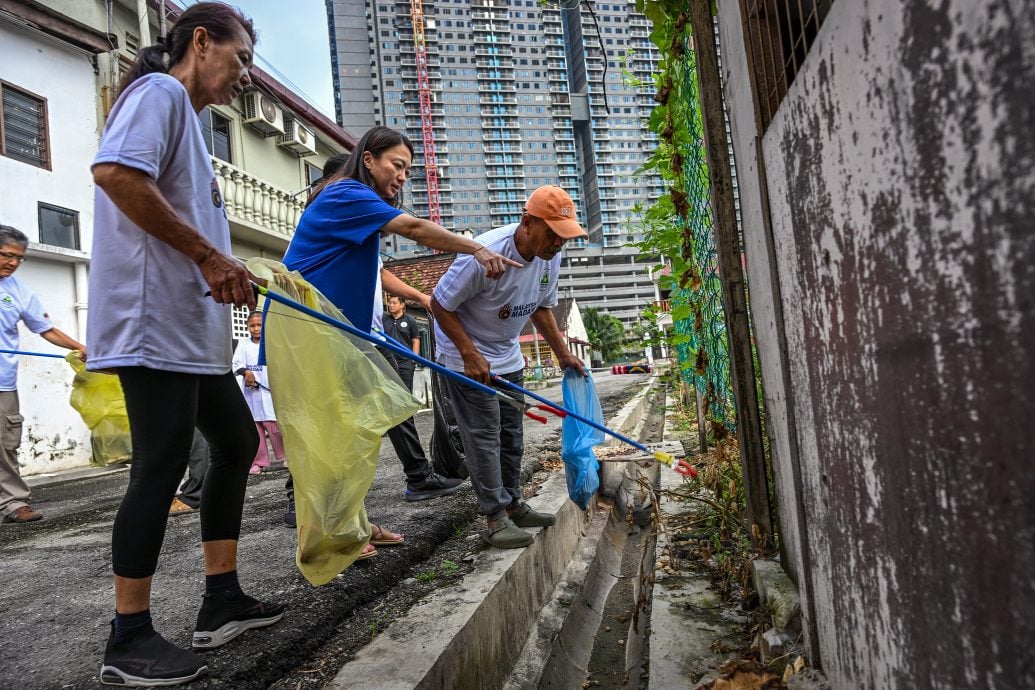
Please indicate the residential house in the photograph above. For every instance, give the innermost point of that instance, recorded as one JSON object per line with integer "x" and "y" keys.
{"x": 60, "y": 65}
{"x": 49, "y": 124}
{"x": 537, "y": 352}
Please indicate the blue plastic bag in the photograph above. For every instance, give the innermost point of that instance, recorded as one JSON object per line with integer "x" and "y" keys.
{"x": 581, "y": 468}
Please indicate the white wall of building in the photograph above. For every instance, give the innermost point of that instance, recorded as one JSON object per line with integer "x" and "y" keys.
{"x": 577, "y": 331}
{"x": 55, "y": 437}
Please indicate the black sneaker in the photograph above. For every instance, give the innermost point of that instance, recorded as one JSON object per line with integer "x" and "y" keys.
{"x": 148, "y": 660}
{"x": 433, "y": 486}
{"x": 289, "y": 514}
{"x": 221, "y": 620}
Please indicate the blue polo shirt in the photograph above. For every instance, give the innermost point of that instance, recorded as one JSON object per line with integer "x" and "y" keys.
{"x": 337, "y": 244}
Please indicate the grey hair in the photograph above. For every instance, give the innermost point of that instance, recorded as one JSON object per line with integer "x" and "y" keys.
{"x": 9, "y": 235}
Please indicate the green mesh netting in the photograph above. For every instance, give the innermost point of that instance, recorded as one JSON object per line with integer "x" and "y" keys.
{"x": 707, "y": 350}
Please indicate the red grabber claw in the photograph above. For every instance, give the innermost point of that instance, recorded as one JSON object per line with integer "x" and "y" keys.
{"x": 684, "y": 468}
{"x": 541, "y": 420}
{"x": 552, "y": 410}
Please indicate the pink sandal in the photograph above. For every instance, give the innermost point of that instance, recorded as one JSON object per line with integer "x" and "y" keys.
{"x": 368, "y": 552}
{"x": 379, "y": 536}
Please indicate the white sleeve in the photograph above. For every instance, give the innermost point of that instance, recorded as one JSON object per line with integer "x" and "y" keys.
{"x": 140, "y": 133}
{"x": 464, "y": 279}
{"x": 34, "y": 316}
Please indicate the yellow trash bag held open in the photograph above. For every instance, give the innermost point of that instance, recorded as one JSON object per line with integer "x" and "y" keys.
{"x": 99, "y": 401}
{"x": 335, "y": 395}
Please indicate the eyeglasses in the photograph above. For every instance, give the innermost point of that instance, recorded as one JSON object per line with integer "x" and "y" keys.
{"x": 8, "y": 256}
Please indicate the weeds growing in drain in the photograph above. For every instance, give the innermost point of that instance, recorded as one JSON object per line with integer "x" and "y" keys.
{"x": 446, "y": 568}
{"x": 714, "y": 536}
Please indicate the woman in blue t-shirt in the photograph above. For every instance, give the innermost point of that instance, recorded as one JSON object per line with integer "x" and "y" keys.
{"x": 336, "y": 247}
{"x": 337, "y": 241}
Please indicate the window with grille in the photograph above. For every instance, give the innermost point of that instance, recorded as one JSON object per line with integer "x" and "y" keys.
{"x": 23, "y": 127}
{"x": 239, "y": 323}
{"x": 216, "y": 130}
{"x": 59, "y": 226}
{"x": 778, "y": 36}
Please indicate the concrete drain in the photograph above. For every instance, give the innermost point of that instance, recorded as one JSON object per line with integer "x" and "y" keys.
{"x": 595, "y": 626}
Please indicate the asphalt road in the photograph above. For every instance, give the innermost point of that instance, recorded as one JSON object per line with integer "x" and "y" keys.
{"x": 56, "y": 597}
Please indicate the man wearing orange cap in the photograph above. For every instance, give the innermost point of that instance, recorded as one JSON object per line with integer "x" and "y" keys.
{"x": 477, "y": 325}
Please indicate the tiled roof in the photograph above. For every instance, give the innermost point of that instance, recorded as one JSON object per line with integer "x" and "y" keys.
{"x": 421, "y": 272}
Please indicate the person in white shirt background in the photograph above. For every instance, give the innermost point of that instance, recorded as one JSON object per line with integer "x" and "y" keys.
{"x": 18, "y": 303}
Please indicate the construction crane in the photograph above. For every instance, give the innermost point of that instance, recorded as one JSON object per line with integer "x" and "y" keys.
{"x": 426, "y": 125}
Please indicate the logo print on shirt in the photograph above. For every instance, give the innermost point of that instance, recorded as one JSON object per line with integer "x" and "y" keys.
{"x": 217, "y": 196}
{"x": 505, "y": 311}
{"x": 7, "y": 300}
{"x": 544, "y": 280}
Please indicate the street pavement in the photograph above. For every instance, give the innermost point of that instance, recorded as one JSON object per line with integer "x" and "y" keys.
{"x": 56, "y": 599}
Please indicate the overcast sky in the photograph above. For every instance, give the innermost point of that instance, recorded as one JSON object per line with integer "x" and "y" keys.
{"x": 293, "y": 46}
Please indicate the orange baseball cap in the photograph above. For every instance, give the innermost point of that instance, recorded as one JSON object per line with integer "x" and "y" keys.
{"x": 555, "y": 207}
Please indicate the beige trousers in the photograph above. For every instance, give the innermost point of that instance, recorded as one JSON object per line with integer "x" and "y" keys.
{"x": 14, "y": 492}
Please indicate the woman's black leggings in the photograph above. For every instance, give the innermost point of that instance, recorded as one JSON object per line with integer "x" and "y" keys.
{"x": 164, "y": 407}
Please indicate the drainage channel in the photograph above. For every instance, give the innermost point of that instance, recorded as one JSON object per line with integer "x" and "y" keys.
{"x": 593, "y": 633}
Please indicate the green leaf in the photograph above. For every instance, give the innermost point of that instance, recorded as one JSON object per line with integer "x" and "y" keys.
{"x": 681, "y": 312}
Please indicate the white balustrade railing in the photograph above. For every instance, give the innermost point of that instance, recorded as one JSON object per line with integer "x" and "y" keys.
{"x": 249, "y": 198}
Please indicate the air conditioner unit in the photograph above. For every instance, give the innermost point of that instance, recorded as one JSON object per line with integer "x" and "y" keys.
{"x": 262, "y": 114}
{"x": 297, "y": 139}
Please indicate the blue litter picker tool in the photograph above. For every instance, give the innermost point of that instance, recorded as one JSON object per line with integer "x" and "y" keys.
{"x": 546, "y": 405}
{"x": 396, "y": 348}
{"x": 679, "y": 465}
{"x": 31, "y": 354}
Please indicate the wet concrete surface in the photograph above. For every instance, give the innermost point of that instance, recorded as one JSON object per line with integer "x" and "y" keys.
{"x": 56, "y": 598}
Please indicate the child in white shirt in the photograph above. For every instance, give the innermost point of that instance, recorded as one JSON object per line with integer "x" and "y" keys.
{"x": 256, "y": 388}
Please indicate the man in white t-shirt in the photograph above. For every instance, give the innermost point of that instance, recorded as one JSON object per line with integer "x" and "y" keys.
{"x": 17, "y": 303}
{"x": 477, "y": 325}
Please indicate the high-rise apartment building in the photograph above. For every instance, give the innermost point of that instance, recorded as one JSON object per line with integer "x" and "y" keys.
{"x": 522, "y": 94}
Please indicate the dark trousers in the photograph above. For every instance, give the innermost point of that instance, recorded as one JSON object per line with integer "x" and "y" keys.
{"x": 164, "y": 408}
{"x": 404, "y": 437}
{"x": 493, "y": 438}
{"x": 197, "y": 466}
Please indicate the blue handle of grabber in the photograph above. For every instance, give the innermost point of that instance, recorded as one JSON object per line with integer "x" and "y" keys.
{"x": 402, "y": 351}
{"x": 32, "y": 354}
{"x": 388, "y": 344}
{"x": 574, "y": 415}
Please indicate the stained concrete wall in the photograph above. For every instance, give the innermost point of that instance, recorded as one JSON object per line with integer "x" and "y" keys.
{"x": 901, "y": 178}
{"x": 766, "y": 308}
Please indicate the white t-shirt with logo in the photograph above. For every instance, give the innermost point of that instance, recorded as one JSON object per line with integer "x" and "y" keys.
{"x": 493, "y": 312}
{"x": 17, "y": 303}
{"x": 147, "y": 300}
{"x": 379, "y": 306}
{"x": 259, "y": 400}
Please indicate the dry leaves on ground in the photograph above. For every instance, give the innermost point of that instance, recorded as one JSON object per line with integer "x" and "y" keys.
{"x": 743, "y": 674}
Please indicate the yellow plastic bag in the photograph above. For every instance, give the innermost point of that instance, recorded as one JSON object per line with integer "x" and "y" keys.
{"x": 335, "y": 396}
{"x": 99, "y": 401}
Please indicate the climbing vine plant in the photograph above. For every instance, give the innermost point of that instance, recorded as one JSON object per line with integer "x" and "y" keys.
{"x": 679, "y": 224}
